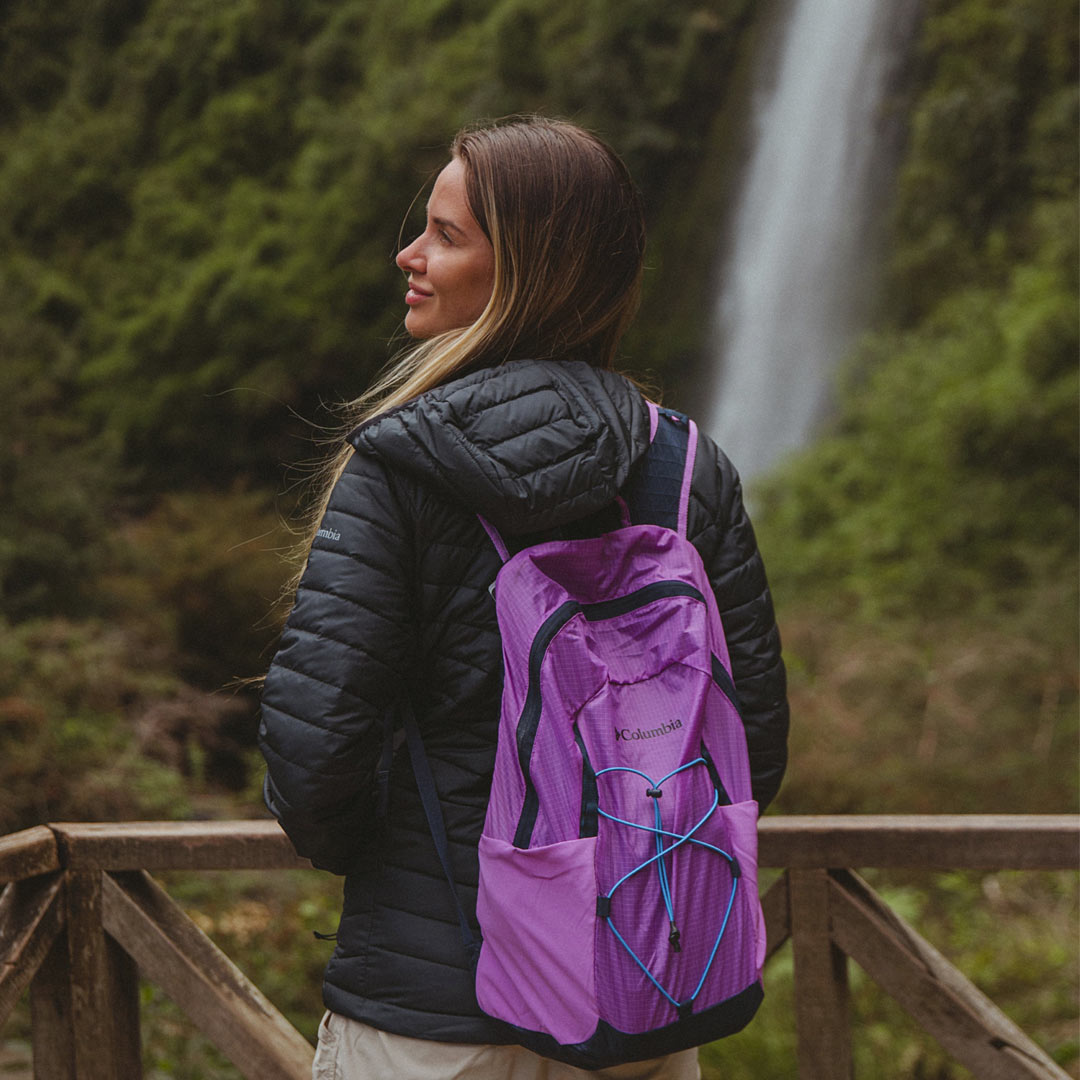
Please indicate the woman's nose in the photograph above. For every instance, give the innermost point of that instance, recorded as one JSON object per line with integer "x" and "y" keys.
{"x": 411, "y": 257}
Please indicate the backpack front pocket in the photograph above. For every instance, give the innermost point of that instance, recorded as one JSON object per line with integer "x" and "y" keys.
{"x": 537, "y": 912}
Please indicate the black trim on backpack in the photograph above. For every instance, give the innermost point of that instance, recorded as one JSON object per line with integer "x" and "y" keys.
{"x": 621, "y": 605}
{"x": 714, "y": 775}
{"x": 608, "y": 1046}
{"x": 590, "y": 793}
{"x": 724, "y": 681}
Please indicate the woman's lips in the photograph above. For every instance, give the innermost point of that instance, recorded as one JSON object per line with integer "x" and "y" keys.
{"x": 415, "y": 295}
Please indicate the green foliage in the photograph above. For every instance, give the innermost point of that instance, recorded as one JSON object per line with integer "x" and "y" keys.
{"x": 66, "y": 752}
{"x": 203, "y": 573}
{"x": 55, "y": 483}
{"x": 992, "y": 128}
{"x": 950, "y": 476}
{"x": 223, "y": 184}
{"x": 103, "y": 718}
{"x": 934, "y": 715}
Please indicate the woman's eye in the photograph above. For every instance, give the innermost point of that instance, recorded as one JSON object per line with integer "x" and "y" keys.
{"x": 444, "y": 236}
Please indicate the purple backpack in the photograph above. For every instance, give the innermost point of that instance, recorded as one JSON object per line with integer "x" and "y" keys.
{"x": 618, "y": 897}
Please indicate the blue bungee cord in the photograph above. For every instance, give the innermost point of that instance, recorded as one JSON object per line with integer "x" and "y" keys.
{"x": 654, "y": 791}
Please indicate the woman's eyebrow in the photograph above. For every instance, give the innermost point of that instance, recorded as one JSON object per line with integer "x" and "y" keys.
{"x": 445, "y": 223}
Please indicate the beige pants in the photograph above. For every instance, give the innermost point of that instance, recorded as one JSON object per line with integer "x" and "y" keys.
{"x": 349, "y": 1050}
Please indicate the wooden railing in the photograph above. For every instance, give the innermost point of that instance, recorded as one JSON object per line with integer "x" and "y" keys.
{"x": 81, "y": 920}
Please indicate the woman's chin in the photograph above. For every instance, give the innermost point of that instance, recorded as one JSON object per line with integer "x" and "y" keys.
{"x": 416, "y": 328}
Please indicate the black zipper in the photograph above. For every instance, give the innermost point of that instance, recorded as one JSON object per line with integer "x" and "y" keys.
{"x": 724, "y": 681}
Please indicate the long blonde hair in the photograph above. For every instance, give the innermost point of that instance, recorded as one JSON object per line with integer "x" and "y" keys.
{"x": 566, "y": 224}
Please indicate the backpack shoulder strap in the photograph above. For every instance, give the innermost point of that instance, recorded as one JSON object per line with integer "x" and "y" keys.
{"x": 658, "y": 491}
{"x": 495, "y": 537}
{"x": 429, "y": 798}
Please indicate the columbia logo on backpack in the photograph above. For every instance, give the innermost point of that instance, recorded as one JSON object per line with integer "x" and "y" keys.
{"x": 652, "y": 733}
{"x": 618, "y": 897}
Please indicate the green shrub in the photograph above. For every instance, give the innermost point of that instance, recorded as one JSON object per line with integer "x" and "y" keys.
{"x": 67, "y": 751}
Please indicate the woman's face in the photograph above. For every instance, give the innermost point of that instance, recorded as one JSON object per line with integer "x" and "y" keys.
{"x": 451, "y": 265}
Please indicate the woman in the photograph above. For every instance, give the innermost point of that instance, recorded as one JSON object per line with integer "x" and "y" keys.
{"x": 519, "y": 290}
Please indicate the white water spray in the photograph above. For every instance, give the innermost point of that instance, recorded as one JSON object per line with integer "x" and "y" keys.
{"x": 800, "y": 259}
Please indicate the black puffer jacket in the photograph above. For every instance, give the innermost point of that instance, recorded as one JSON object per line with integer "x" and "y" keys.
{"x": 394, "y": 601}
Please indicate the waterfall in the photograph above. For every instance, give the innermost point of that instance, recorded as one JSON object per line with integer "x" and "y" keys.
{"x": 800, "y": 263}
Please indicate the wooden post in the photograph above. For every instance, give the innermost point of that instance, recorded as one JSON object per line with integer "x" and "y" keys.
{"x": 821, "y": 987}
{"x": 104, "y": 989}
{"x": 50, "y": 1016}
{"x": 776, "y": 907}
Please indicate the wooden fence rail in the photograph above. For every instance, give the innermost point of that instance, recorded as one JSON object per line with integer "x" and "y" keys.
{"x": 81, "y": 920}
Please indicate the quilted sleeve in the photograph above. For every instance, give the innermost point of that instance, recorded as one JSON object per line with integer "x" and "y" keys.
{"x": 342, "y": 661}
{"x": 721, "y": 531}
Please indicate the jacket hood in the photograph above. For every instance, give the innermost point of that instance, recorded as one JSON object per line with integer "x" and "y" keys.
{"x": 529, "y": 444}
